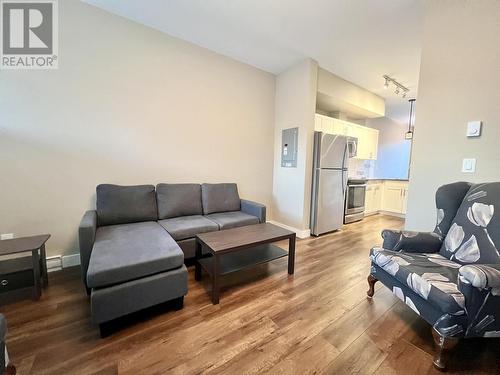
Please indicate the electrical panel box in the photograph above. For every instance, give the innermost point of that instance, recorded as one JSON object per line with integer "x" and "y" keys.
{"x": 289, "y": 147}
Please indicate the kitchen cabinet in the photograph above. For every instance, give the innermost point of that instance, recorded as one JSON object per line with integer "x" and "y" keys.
{"x": 395, "y": 196}
{"x": 367, "y": 137}
{"x": 386, "y": 196}
{"x": 373, "y": 198}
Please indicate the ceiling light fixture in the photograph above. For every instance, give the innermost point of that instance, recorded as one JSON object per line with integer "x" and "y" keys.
{"x": 399, "y": 87}
{"x": 409, "y": 133}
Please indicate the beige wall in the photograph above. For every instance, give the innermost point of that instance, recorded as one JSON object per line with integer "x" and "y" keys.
{"x": 295, "y": 106}
{"x": 128, "y": 105}
{"x": 459, "y": 81}
{"x": 337, "y": 94}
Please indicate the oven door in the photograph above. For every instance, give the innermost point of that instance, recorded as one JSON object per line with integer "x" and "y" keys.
{"x": 355, "y": 200}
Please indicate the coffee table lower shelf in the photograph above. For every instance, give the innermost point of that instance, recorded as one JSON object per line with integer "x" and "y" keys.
{"x": 237, "y": 261}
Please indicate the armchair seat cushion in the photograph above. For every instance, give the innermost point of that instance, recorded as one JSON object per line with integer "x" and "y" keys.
{"x": 183, "y": 227}
{"x": 430, "y": 275}
{"x": 233, "y": 219}
{"x": 130, "y": 251}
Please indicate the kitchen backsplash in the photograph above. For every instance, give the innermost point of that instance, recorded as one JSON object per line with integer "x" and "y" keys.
{"x": 359, "y": 168}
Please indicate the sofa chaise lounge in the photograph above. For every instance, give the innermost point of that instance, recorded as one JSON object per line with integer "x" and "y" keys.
{"x": 133, "y": 246}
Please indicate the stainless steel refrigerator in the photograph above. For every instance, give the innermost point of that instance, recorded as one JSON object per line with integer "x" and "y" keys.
{"x": 330, "y": 161}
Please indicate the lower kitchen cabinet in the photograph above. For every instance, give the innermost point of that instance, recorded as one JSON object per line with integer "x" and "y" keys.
{"x": 373, "y": 198}
{"x": 387, "y": 196}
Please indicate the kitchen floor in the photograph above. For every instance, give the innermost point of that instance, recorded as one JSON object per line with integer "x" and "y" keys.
{"x": 316, "y": 321}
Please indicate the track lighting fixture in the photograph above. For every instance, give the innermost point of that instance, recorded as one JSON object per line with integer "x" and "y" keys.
{"x": 399, "y": 87}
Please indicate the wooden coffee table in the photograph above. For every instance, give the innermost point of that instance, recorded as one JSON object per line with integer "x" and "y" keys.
{"x": 235, "y": 249}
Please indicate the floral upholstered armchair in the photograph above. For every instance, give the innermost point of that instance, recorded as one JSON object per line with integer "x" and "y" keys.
{"x": 451, "y": 276}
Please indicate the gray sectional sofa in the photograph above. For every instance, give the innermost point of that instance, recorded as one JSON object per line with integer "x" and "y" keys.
{"x": 133, "y": 246}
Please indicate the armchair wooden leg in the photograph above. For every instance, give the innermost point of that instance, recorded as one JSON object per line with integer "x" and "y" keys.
{"x": 10, "y": 370}
{"x": 443, "y": 345}
{"x": 371, "y": 283}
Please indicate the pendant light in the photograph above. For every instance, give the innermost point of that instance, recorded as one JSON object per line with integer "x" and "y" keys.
{"x": 409, "y": 133}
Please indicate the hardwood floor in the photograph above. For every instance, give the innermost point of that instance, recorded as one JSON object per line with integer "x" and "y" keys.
{"x": 316, "y": 321}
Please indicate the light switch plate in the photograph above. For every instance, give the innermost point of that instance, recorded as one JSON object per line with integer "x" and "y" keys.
{"x": 469, "y": 165}
{"x": 473, "y": 128}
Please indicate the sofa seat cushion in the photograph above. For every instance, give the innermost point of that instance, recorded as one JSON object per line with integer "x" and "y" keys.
{"x": 130, "y": 251}
{"x": 226, "y": 220}
{"x": 430, "y": 275}
{"x": 184, "y": 227}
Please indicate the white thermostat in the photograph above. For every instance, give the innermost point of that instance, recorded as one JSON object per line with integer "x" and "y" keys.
{"x": 473, "y": 128}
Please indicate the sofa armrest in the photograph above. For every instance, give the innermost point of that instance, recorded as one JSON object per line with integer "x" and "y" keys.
{"x": 255, "y": 209}
{"x": 86, "y": 238}
{"x": 411, "y": 242}
{"x": 481, "y": 276}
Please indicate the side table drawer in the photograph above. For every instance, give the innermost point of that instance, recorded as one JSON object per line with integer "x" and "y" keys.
{"x": 16, "y": 280}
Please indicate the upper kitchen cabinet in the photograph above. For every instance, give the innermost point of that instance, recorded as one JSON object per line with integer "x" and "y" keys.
{"x": 367, "y": 141}
{"x": 367, "y": 137}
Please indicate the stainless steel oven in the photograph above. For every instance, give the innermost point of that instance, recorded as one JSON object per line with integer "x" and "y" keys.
{"x": 355, "y": 201}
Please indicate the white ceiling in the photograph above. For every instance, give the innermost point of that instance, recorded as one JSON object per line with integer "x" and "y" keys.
{"x": 359, "y": 40}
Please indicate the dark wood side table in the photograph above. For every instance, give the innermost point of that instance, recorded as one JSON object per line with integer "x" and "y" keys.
{"x": 239, "y": 248}
{"x": 14, "y": 270}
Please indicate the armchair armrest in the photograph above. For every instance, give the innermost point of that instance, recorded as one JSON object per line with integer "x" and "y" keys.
{"x": 86, "y": 238}
{"x": 3, "y": 351}
{"x": 254, "y": 208}
{"x": 482, "y": 276}
{"x": 411, "y": 242}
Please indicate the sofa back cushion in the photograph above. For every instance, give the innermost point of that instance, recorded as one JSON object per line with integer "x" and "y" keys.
{"x": 219, "y": 198}
{"x": 474, "y": 234}
{"x": 125, "y": 204}
{"x": 176, "y": 200}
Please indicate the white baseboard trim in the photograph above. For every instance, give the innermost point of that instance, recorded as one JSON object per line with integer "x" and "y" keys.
{"x": 58, "y": 262}
{"x": 301, "y": 233}
{"x": 70, "y": 260}
{"x": 54, "y": 263}
{"x": 389, "y": 213}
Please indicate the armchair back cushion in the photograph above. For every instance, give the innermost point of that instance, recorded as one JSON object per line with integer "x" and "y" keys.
{"x": 474, "y": 234}
{"x": 176, "y": 200}
{"x": 220, "y": 198}
{"x": 125, "y": 204}
{"x": 449, "y": 197}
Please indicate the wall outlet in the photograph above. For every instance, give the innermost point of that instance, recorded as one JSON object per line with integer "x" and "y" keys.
{"x": 6, "y": 236}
